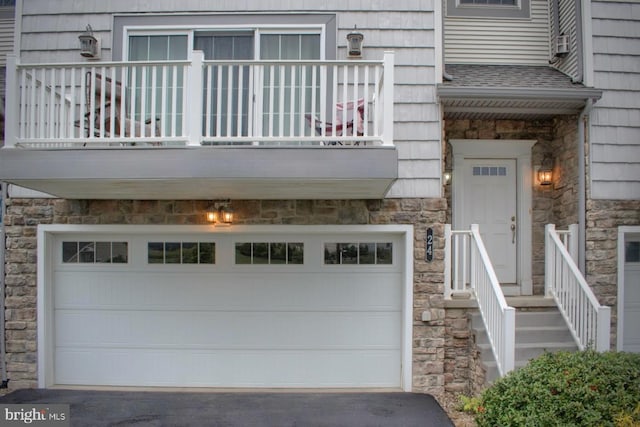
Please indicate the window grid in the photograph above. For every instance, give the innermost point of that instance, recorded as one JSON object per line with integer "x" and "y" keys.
{"x": 269, "y": 253}
{"x": 181, "y": 252}
{"x": 363, "y": 253}
{"x": 95, "y": 252}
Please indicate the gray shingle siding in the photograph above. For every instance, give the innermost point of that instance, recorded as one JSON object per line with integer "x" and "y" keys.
{"x": 615, "y": 125}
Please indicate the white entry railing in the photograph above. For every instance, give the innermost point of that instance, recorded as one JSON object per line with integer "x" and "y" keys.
{"x": 468, "y": 268}
{"x": 200, "y": 102}
{"x": 588, "y": 321}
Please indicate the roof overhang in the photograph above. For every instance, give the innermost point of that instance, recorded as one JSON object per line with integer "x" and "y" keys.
{"x": 464, "y": 102}
{"x": 342, "y": 172}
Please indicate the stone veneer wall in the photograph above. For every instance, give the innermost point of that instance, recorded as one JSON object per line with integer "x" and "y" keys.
{"x": 603, "y": 219}
{"x": 23, "y": 216}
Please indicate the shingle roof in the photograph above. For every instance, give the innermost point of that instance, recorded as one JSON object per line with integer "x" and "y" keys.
{"x": 514, "y": 76}
{"x": 479, "y": 91}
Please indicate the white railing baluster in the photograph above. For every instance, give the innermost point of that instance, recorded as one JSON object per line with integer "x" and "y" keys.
{"x": 240, "y": 95}
{"x": 587, "y": 319}
{"x": 498, "y": 317}
{"x": 230, "y": 95}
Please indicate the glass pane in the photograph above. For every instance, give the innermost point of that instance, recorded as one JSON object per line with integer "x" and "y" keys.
{"x": 189, "y": 253}
{"x": 295, "y": 253}
{"x": 384, "y": 253}
{"x": 278, "y": 253}
{"x": 310, "y": 46}
{"x": 243, "y": 253}
{"x": 632, "y": 251}
{"x": 172, "y": 253}
{"x": 348, "y": 253}
{"x": 260, "y": 253}
{"x": 119, "y": 252}
{"x": 69, "y": 251}
{"x": 158, "y": 48}
{"x": 155, "y": 253}
{"x": 87, "y": 251}
{"x": 103, "y": 252}
{"x": 270, "y": 46}
{"x": 207, "y": 253}
{"x": 367, "y": 253}
{"x": 331, "y": 253}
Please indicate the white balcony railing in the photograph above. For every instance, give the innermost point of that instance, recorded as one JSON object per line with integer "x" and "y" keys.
{"x": 200, "y": 102}
{"x": 588, "y": 321}
{"x": 469, "y": 269}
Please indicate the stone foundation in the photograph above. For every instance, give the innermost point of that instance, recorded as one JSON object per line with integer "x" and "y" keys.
{"x": 603, "y": 219}
{"x": 24, "y": 215}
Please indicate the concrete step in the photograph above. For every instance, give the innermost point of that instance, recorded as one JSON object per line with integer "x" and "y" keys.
{"x": 538, "y": 329}
{"x": 532, "y": 335}
{"x": 551, "y": 317}
{"x": 527, "y": 351}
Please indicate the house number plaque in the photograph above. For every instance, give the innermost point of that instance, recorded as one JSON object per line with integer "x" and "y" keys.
{"x": 429, "y": 242}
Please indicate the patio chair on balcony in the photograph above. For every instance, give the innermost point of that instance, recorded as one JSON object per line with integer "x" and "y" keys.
{"x": 341, "y": 127}
{"x": 102, "y": 112}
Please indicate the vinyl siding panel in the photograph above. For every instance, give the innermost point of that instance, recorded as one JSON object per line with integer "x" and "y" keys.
{"x": 565, "y": 23}
{"x": 499, "y": 41}
{"x": 51, "y": 29}
{"x": 615, "y": 120}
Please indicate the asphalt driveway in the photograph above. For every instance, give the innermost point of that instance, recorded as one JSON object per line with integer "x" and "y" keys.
{"x": 173, "y": 408}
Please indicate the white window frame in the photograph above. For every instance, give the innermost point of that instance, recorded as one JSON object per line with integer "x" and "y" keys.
{"x": 522, "y": 10}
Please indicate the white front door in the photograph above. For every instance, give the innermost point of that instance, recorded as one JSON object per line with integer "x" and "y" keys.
{"x": 489, "y": 188}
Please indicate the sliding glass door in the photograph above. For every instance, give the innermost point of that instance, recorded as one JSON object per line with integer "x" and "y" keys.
{"x": 289, "y": 91}
{"x": 227, "y": 102}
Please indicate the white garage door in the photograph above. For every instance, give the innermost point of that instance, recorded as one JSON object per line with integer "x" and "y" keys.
{"x": 631, "y": 304}
{"x": 228, "y": 310}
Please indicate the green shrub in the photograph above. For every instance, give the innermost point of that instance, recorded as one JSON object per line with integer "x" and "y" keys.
{"x": 565, "y": 389}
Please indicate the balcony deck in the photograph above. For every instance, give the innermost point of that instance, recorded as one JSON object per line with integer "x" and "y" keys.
{"x": 201, "y": 129}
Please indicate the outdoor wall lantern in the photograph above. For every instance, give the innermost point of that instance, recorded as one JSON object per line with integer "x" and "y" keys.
{"x": 220, "y": 213}
{"x": 89, "y": 44}
{"x": 545, "y": 172}
{"x": 354, "y": 43}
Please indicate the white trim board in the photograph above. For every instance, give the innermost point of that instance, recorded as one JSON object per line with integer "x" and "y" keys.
{"x": 520, "y": 150}
{"x": 46, "y": 236}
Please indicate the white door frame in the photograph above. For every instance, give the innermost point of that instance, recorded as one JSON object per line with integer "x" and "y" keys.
{"x": 46, "y": 239}
{"x": 622, "y": 236}
{"x": 517, "y": 149}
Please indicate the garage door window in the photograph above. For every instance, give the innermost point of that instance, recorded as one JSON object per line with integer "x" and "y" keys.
{"x": 92, "y": 252}
{"x": 269, "y": 253}
{"x": 181, "y": 253}
{"x": 367, "y": 253}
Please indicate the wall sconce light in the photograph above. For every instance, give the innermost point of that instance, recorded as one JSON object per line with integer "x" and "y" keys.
{"x": 545, "y": 172}
{"x": 447, "y": 177}
{"x": 220, "y": 213}
{"x": 354, "y": 43}
{"x": 89, "y": 46}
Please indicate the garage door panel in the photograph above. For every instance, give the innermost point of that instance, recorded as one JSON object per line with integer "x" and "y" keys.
{"x": 231, "y": 368}
{"x": 228, "y": 325}
{"x": 266, "y": 330}
{"x": 198, "y": 291}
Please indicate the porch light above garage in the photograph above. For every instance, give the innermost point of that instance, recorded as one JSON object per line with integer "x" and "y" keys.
{"x": 220, "y": 213}
{"x": 545, "y": 172}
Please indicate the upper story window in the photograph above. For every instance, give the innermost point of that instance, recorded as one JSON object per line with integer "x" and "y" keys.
{"x": 518, "y": 9}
